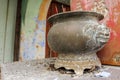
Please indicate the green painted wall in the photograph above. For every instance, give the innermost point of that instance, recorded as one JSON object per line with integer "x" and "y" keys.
{"x": 33, "y": 27}
{"x": 30, "y": 11}
{"x": 7, "y": 29}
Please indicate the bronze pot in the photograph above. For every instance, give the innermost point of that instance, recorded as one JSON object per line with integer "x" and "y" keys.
{"x": 77, "y": 32}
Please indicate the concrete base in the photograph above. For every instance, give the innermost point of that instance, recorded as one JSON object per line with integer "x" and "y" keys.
{"x": 40, "y": 70}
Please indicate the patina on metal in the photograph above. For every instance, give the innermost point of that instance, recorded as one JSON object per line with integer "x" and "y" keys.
{"x": 76, "y": 37}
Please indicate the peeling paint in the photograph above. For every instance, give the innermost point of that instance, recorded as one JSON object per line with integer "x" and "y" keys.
{"x": 32, "y": 45}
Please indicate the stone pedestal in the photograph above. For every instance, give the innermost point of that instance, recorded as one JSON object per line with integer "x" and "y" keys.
{"x": 78, "y": 62}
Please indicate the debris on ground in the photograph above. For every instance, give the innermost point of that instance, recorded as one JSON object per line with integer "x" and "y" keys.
{"x": 102, "y": 74}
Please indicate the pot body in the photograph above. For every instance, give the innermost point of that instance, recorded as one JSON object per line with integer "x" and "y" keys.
{"x": 77, "y": 32}
{"x": 110, "y": 54}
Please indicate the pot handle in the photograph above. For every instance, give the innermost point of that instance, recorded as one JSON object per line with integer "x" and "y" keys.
{"x": 103, "y": 33}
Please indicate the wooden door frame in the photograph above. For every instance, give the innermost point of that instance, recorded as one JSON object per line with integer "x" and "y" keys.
{"x": 17, "y": 31}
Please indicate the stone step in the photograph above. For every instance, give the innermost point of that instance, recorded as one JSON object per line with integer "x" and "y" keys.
{"x": 40, "y": 70}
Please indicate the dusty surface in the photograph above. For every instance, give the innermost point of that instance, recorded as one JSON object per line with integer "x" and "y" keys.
{"x": 40, "y": 70}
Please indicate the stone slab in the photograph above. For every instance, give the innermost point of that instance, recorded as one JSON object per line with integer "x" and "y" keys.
{"x": 39, "y": 70}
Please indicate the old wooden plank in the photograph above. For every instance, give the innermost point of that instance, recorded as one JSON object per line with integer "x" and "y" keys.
{"x": 44, "y": 9}
{"x": 3, "y": 13}
{"x": 10, "y": 31}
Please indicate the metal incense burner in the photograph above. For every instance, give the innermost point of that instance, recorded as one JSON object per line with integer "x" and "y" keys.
{"x": 76, "y": 37}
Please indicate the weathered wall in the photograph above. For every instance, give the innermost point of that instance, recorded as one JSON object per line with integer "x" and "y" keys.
{"x": 110, "y": 54}
{"x": 7, "y": 29}
{"x": 32, "y": 44}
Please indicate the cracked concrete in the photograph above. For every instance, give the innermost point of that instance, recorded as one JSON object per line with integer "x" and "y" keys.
{"x": 39, "y": 70}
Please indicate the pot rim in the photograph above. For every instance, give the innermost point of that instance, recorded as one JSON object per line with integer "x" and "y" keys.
{"x": 54, "y": 17}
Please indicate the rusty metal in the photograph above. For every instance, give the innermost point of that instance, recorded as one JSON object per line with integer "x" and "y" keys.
{"x": 76, "y": 36}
